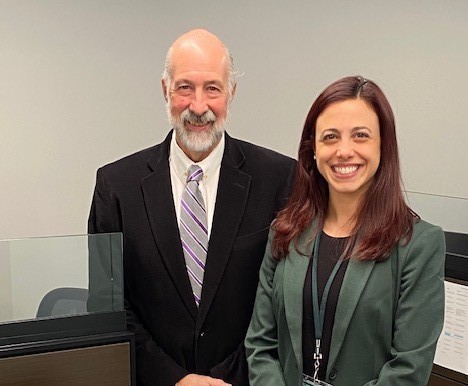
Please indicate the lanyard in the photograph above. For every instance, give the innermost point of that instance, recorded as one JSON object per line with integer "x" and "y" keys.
{"x": 319, "y": 312}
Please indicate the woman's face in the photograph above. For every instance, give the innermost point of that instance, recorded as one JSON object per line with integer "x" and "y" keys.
{"x": 347, "y": 147}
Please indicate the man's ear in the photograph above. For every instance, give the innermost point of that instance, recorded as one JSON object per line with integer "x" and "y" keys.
{"x": 233, "y": 91}
{"x": 164, "y": 89}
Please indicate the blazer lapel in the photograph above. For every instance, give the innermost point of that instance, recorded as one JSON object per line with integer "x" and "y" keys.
{"x": 158, "y": 198}
{"x": 231, "y": 199}
{"x": 295, "y": 270}
{"x": 356, "y": 276}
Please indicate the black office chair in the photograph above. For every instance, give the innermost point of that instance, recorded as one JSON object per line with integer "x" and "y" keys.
{"x": 63, "y": 301}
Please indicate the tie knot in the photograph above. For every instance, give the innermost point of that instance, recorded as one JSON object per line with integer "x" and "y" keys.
{"x": 195, "y": 173}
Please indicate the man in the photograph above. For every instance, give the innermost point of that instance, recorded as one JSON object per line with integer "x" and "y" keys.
{"x": 193, "y": 239}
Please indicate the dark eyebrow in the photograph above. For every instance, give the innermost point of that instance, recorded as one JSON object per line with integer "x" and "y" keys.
{"x": 353, "y": 130}
{"x": 360, "y": 128}
{"x": 333, "y": 130}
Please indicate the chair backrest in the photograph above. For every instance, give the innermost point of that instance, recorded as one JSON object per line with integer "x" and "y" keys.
{"x": 63, "y": 301}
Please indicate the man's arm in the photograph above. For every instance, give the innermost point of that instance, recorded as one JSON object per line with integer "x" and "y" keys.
{"x": 234, "y": 368}
{"x": 154, "y": 366}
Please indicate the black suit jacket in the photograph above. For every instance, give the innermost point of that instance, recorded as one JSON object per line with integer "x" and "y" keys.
{"x": 173, "y": 337}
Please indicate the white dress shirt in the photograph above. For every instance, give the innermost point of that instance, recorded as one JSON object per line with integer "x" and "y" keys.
{"x": 179, "y": 164}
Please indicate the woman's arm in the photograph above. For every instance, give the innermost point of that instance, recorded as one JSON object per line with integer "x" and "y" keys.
{"x": 419, "y": 313}
{"x": 261, "y": 342}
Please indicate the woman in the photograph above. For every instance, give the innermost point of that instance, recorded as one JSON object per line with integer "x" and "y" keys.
{"x": 351, "y": 288}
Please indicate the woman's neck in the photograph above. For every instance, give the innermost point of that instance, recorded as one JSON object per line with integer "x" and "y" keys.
{"x": 340, "y": 218}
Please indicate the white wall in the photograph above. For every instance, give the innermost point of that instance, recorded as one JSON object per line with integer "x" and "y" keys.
{"x": 80, "y": 86}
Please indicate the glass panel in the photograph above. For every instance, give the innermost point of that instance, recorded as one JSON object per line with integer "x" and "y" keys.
{"x": 58, "y": 276}
{"x": 450, "y": 213}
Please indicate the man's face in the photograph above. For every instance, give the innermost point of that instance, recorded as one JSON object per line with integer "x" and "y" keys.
{"x": 198, "y": 98}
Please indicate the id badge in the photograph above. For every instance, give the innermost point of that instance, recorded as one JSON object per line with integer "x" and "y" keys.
{"x": 307, "y": 380}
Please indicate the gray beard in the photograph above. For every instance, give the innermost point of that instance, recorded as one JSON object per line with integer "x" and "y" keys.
{"x": 199, "y": 142}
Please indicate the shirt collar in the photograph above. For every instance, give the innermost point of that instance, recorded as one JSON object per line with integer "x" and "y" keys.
{"x": 180, "y": 162}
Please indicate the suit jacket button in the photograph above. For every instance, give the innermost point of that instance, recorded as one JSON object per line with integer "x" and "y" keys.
{"x": 332, "y": 374}
{"x": 202, "y": 334}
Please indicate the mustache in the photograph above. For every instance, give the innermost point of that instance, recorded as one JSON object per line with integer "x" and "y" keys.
{"x": 194, "y": 119}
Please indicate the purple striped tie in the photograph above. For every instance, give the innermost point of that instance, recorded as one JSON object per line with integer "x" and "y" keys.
{"x": 194, "y": 230}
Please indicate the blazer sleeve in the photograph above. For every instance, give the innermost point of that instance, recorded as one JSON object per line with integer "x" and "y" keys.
{"x": 419, "y": 312}
{"x": 233, "y": 369}
{"x": 154, "y": 366}
{"x": 261, "y": 341}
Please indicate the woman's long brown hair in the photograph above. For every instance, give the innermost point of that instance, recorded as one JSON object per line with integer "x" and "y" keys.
{"x": 382, "y": 218}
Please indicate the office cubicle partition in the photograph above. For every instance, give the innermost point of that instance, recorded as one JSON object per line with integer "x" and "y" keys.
{"x": 451, "y": 361}
{"x": 62, "y": 320}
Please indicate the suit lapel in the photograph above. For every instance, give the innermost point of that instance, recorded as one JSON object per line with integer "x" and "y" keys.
{"x": 231, "y": 199}
{"x": 159, "y": 203}
{"x": 295, "y": 270}
{"x": 355, "y": 279}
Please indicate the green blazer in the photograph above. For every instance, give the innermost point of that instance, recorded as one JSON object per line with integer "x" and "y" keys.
{"x": 388, "y": 317}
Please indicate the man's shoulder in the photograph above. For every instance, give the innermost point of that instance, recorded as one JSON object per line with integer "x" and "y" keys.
{"x": 136, "y": 165}
{"x": 141, "y": 156}
{"x": 262, "y": 154}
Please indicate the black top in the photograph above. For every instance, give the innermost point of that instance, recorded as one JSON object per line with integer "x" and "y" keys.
{"x": 330, "y": 250}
